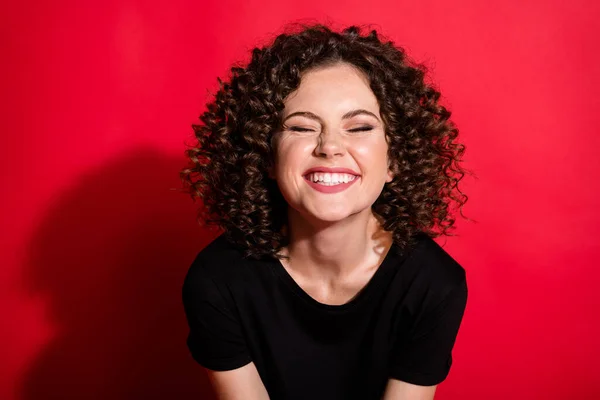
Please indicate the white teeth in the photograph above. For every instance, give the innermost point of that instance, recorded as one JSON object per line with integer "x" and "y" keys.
{"x": 328, "y": 179}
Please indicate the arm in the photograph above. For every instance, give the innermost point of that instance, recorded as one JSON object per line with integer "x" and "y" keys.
{"x": 424, "y": 360}
{"x": 242, "y": 383}
{"x": 400, "y": 390}
{"x": 216, "y": 340}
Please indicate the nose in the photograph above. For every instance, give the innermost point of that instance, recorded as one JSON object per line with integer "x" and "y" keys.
{"x": 330, "y": 144}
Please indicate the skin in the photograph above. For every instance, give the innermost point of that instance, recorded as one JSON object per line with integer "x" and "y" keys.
{"x": 336, "y": 241}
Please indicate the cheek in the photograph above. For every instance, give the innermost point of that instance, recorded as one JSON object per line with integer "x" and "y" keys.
{"x": 292, "y": 155}
{"x": 373, "y": 155}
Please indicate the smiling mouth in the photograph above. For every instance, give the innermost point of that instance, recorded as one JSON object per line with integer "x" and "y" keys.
{"x": 330, "y": 179}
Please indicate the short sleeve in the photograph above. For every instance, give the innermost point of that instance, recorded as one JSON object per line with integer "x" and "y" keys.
{"x": 215, "y": 338}
{"x": 425, "y": 357}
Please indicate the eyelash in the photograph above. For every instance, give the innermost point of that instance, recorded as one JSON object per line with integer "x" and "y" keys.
{"x": 361, "y": 129}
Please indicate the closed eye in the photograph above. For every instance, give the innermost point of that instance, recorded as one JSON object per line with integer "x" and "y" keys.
{"x": 298, "y": 129}
{"x": 361, "y": 129}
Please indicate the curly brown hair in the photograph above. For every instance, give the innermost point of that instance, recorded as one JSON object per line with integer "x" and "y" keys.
{"x": 228, "y": 168}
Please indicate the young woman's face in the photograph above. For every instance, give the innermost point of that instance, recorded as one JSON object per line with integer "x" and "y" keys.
{"x": 331, "y": 121}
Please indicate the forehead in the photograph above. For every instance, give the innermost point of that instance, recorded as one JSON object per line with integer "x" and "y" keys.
{"x": 332, "y": 89}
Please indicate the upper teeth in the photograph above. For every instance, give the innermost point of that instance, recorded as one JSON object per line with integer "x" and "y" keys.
{"x": 333, "y": 178}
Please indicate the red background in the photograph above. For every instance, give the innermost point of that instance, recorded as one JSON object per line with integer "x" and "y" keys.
{"x": 98, "y": 100}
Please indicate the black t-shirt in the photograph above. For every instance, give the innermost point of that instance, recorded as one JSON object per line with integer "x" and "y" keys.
{"x": 402, "y": 324}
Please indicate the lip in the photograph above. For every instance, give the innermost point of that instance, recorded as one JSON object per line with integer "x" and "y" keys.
{"x": 340, "y": 187}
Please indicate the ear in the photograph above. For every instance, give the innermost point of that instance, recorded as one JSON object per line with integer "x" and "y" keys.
{"x": 390, "y": 176}
{"x": 390, "y": 173}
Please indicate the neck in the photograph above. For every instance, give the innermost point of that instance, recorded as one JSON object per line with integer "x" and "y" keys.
{"x": 334, "y": 250}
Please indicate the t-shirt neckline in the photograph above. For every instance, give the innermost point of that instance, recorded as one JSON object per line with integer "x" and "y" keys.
{"x": 371, "y": 286}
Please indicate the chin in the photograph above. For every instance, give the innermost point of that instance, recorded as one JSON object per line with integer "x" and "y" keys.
{"x": 330, "y": 215}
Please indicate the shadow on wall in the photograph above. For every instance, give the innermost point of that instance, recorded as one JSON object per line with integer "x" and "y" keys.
{"x": 111, "y": 256}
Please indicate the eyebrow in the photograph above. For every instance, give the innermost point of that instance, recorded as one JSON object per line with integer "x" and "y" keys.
{"x": 348, "y": 115}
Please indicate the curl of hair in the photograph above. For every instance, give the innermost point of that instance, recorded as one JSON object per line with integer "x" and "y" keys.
{"x": 228, "y": 163}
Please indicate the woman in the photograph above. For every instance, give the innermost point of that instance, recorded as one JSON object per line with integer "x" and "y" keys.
{"x": 328, "y": 163}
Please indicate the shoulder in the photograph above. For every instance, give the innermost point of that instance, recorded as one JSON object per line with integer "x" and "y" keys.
{"x": 220, "y": 261}
{"x": 219, "y": 252}
{"x": 435, "y": 269}
{"x": 211, "y": 272}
